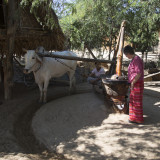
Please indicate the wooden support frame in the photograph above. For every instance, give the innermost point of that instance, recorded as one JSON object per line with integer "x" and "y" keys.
{"x": 11, "y": 31}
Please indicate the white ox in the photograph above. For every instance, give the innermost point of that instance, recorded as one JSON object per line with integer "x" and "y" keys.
{"x": 45, "y": 68}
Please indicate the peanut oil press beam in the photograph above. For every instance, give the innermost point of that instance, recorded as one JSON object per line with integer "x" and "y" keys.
{"x": 120, "y": 50}
{"x": 120, "y": 42}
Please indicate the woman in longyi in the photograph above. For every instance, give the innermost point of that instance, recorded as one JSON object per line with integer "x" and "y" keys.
{"x": 135, "y": 77}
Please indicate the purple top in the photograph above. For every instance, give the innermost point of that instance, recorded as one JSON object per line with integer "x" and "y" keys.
{"x": 135, "y": 67}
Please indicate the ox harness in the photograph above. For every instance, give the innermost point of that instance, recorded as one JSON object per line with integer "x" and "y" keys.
{"x": 37, "y": 69}
{"x": 58, "y": 60}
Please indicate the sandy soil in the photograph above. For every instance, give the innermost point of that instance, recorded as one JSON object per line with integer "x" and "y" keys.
{"x": 17, "y": 141}
{"x": 81, "y": 128}
{"x": 106, "y": 136}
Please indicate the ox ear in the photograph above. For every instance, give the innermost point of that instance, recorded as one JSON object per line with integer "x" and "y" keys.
{"x": 39, "y": 59}
{"x": 24, "y": 50}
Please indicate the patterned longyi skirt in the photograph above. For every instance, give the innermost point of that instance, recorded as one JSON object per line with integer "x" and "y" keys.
{"x": 136, "y": 103}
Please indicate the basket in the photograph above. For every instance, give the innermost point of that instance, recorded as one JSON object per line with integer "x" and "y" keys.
{"x": 116, "y": 87}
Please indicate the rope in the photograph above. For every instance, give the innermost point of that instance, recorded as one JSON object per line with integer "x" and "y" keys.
{"x": 64, "y": 64}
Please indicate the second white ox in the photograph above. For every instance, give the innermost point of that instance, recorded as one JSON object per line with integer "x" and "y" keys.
{"x": 45, "y": 68}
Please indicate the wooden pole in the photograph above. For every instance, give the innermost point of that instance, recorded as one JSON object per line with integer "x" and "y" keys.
{"x": 113, "y": 66}
{"x": 11, "y": 29}
{"x": 120, "y": 51}
{"x": 53, "y": 55}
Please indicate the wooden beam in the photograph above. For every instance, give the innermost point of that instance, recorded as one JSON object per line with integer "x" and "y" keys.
{"x": 11, "y": 30}
{"x": 150, "y": 77}
{"x": 120, "y": 50}
{"x": 120, "y": 40}
{"x": 50, "y": 54}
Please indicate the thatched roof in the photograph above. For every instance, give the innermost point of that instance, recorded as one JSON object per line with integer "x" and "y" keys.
{"x": 30, "y": 33}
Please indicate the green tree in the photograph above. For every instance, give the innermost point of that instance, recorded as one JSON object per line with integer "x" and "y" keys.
{"x": 95, "y": 23}
{"x": 143, "y": 18}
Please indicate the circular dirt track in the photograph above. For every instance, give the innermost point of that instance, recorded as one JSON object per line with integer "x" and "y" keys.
{"x": 81, "y": 128}
{"x": 17, "y": 140}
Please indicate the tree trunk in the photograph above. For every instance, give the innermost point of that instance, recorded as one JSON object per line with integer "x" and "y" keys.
{"x": 86, "y": 46}
{"x": 110, "y": 47}
{"x": 11, "y": 29}
{"x": 142, "y": 54}
{"x": 109, "y": 55}
{"x": 146, "y": 56}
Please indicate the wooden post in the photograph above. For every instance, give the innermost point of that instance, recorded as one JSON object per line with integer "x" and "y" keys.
{"x": 11, "y": 30}
{"x": 120, "y": 51}
{"x": 113, "y": 66}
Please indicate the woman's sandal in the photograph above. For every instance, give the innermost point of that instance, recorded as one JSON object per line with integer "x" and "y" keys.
{"x": 133, "y": 122}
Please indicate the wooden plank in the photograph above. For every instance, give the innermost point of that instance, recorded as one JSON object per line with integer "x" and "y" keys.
{"x": 148, "y": 79}
{"x": 50, "y": 54}
{"x": 151, "y": 75}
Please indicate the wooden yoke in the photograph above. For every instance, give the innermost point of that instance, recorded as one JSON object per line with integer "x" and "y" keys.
{"x": 120, "y": 50}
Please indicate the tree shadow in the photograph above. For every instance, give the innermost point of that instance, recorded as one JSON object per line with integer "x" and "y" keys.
{"x": 151, "y": 106}
{"x": 105, "y": 137}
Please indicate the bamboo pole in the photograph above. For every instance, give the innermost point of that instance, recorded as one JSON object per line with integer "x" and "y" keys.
{"x": 50, "y": 54}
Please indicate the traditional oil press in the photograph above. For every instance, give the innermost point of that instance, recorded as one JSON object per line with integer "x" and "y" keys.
{"x": 116, "y": 88}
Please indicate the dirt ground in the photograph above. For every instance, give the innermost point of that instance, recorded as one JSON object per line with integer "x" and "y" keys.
{"x": 17, "y": 141}
{"x": 124, "y": 140}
